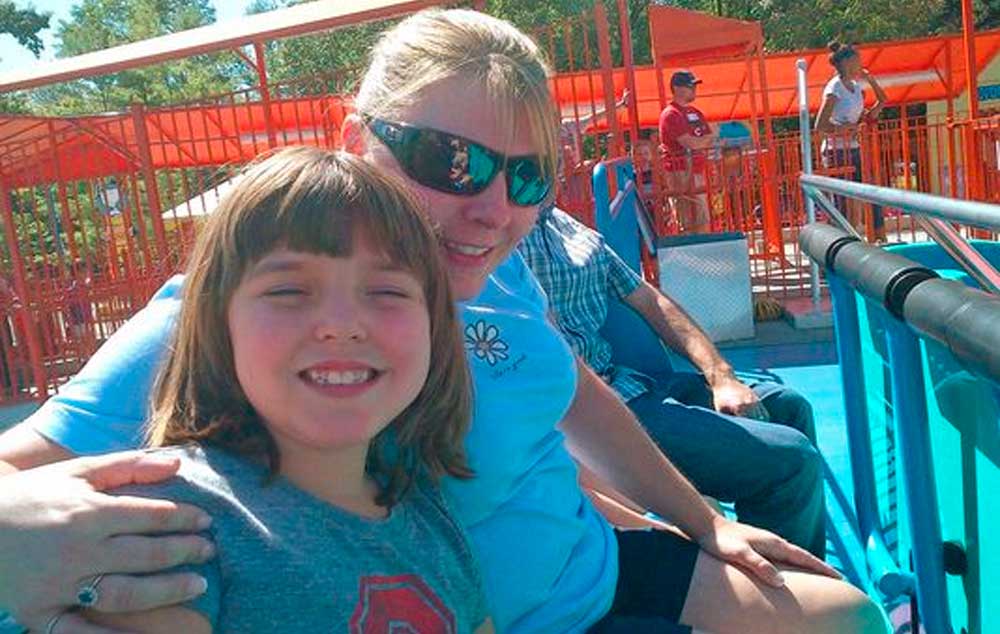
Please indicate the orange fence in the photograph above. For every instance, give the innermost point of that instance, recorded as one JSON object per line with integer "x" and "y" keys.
{"x": 86, "y": 253}
{"x": 916, "y": 153}
{"x": 84, "y": 250}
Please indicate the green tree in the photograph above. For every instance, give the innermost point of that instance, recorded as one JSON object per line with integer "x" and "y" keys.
{"x": 100, "y": 24}
{"x": 24, "y": 24}
{"x": 333, "y": 62}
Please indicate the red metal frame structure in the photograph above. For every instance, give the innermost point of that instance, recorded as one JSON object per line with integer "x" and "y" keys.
{"x": 912, "y": 71}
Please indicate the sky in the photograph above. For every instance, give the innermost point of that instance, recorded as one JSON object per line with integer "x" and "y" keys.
{"x": 13, "y": 56}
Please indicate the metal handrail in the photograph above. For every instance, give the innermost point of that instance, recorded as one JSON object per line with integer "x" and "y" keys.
{"x": 966, "y": 212}
{"x": 933, "y": 213}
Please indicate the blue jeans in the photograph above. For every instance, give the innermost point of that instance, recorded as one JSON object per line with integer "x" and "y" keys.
{"x": 770, "y": 470}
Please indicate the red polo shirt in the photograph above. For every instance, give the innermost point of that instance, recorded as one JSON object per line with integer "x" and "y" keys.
{"x": 675, "y": 121}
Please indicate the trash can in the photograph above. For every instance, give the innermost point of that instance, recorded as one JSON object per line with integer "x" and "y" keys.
{"x": 709, "y": 276}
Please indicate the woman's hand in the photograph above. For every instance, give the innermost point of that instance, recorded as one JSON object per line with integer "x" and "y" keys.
{"x": 758, "y": 552}
{"x": 58, "y": 532}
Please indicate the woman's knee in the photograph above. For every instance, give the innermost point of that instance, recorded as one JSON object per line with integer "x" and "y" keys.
{"x": 726, "y": 600}
{"x": 860, "y": 614}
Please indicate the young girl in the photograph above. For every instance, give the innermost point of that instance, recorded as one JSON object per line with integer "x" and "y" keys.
{"x": 319, "y": 388}
{"x": 842, "y": 110}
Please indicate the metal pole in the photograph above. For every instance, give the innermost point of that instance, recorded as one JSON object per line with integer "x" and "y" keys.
{"x": 617, "y": 147}
{"x": 971, "y": 71}
{"x": 966, "y": 212}
{"x": 916, "y": 456}
{"x": 885, "y": 573}
{"x": 265, "y": 94}
{"x": 972, "y": 184}
{"x": 978, "y": 267}
{"x": 831, "y": 210}
{"x": 627, "y": 60}
{"x": 773, "y": 238}
{"x": 952, "y": 152}
{"x": 805, "y": 137}
{"x": 29, "y": 328}
{"x": 145, "y": 166}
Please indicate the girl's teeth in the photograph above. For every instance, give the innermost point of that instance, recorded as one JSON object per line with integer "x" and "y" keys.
{"x": 352, "y": 377}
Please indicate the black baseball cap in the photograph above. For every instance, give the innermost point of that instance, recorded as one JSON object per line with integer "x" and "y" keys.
{"x": 684, "y": 78}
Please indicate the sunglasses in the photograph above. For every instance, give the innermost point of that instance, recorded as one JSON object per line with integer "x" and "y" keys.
{"x": 455, "y": 165}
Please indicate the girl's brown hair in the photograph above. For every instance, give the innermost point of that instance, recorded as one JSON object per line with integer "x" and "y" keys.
{"x": 315, "y": 201}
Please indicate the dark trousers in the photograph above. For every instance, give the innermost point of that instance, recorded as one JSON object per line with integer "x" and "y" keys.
{"x": 771, "y": 471}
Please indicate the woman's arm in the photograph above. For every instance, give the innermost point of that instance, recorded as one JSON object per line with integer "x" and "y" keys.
{"x": 22, "y": 447}
{"x": 823, "y": 123}
{"x": 585, "y": 120}
{"x": 676, "y": 328}
{"x": 56, "y": 518}
{"x": 486, "y": 627}
{"x": 604, "y": 435}
{"x": 880, "y": 97}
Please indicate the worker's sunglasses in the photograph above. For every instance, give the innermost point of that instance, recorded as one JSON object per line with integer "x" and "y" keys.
{"x": 456, "y": 165}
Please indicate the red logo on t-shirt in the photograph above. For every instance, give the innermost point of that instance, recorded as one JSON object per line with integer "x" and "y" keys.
{"x": 401, "y": 604}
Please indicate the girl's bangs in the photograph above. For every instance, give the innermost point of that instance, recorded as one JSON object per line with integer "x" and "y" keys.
{"x": 321, "y": 213}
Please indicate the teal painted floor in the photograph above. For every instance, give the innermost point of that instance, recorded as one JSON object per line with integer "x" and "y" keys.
{"x": 807, "y": 361}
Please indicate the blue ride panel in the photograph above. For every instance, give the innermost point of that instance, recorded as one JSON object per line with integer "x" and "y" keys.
{"x": 963, "y": 416}
{"x": 633, "y": 342}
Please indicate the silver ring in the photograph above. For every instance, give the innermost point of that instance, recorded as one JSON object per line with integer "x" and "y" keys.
{"x": 50, "y": 626}
{"x": 88, "y": 595}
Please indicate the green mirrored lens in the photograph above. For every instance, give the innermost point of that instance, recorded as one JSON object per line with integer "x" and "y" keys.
{"x": 483, "y": 166}
{"x": 526, "y": 185}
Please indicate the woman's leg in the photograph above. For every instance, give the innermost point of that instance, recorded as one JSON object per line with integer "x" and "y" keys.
{"x": 664, "y": 578}
{"x": 724, "y": 600}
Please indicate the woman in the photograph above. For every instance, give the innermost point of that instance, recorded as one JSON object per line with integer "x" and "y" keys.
{"x": 550, "y": 563}
{"x": 843, "y": 108}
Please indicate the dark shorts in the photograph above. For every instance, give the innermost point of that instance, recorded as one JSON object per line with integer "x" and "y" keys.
{"x": 654, "y": 573}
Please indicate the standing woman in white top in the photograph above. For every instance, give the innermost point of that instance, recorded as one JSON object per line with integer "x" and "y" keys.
{"x": 842, "y": 109}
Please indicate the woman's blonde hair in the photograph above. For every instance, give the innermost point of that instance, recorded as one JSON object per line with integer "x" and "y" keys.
{"x": 316, "y": 201}
{"x": 437, "y": 45}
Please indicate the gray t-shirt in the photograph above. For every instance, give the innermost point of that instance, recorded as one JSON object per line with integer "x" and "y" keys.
{"x": 288, "y": 561}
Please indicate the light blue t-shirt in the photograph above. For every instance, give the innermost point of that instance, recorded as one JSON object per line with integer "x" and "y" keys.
{"x": 549, "y": 561}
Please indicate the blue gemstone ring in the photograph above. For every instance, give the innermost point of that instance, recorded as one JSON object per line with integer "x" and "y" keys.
{"x": 88, "y": 596}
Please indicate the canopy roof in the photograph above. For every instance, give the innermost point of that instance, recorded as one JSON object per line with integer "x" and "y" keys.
{"x": 300, "y": 19}
{"x": 679, "y": 37}
{"x": 909, "y": 70}
{"x": 189, "y": 136}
